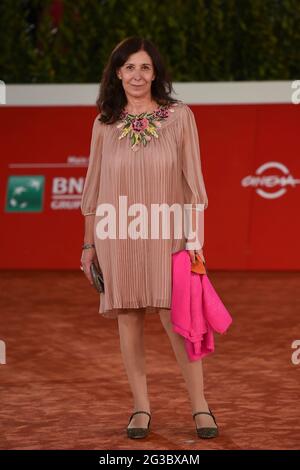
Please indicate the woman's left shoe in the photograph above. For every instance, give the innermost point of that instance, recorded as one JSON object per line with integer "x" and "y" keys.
{"x": 205, "y": 432}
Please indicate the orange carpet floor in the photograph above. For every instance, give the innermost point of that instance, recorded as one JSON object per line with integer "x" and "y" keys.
{"x": 64, "y": 385}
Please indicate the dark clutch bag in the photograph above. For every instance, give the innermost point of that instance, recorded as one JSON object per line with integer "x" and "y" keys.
{"x": 97, "y": 278}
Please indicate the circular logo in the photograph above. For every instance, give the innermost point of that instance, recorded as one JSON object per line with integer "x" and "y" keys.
{"x": 265, "y": 183}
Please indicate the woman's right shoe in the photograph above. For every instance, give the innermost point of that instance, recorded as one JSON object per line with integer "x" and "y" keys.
{"x": 138, "y": 433}
{"x": 205, "y": 432}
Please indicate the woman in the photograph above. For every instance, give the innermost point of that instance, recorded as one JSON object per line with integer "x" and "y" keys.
{"x": 145, "y": 148}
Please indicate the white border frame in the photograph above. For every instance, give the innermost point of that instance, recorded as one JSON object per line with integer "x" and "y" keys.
{"x": 189, "y": 92}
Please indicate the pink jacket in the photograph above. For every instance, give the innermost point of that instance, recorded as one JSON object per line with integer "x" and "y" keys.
{"x": 196, "y": 309}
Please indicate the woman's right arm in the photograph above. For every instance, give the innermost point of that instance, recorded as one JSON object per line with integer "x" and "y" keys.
{"x": 89, "y": 229}
{"x": 92, "y": 180}
{"x": 90, "y": 196}
{"x": 88, "y": 255}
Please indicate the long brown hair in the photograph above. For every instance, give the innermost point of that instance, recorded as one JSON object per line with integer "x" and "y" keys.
{"x": 112, "y": 98}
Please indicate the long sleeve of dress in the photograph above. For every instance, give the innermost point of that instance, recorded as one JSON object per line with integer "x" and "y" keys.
{"x": 92, "y": 179}
{"x": 193, "y": 182}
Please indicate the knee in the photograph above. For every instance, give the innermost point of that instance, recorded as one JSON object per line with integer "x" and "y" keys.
{"x": 131, "y": 319}
{"x": 165, "y": 318}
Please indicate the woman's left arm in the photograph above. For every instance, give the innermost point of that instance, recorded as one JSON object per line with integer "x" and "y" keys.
{"x": 193, "y": 181}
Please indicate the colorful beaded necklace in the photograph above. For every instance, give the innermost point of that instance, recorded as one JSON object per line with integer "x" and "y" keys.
{"x": 141, "y": 127}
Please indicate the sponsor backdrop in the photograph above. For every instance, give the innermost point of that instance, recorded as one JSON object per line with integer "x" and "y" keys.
{"x": 250, "y": 158}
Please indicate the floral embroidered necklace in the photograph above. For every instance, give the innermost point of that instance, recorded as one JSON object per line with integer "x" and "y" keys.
{"x": 141, "y": 127}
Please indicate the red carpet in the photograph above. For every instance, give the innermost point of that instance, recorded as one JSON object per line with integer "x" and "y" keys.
{"x": 64, "y": 385}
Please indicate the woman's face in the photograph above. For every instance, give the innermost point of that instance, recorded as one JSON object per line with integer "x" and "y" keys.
{"x": 137, "y": 74}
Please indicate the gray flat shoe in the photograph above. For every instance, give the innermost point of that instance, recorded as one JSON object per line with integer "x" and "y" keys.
{"x": 204, "y": 432}
{"x": 138, "y": 433}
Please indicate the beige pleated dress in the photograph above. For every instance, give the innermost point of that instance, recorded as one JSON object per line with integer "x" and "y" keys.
{"x": 167, "y": 170}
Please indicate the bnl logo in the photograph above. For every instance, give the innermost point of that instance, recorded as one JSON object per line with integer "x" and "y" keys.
{"x": 2, "y": 352}
{"x": 25, "y": 193}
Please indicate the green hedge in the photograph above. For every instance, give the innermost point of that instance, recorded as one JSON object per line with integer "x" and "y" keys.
{"x": 215, "y": 40}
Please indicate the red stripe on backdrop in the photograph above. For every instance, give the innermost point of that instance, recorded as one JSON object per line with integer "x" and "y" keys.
{"x": 244, "y": 227}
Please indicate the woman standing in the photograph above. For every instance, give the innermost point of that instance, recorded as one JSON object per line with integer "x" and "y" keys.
{"x": 144, "y": 151}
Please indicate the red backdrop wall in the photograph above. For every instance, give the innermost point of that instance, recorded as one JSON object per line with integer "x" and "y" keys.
{"x": 252, "y": 220}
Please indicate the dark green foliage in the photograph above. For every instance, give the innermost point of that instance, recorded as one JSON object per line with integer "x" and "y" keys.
{"x": 200, "y": 40}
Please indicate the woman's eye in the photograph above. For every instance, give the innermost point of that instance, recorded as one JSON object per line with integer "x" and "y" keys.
{"x": 130, "y": 67}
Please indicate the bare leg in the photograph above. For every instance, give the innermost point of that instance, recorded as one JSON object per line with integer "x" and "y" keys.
{"x": 131, "y": 331}
{"x": 191, "y": 371}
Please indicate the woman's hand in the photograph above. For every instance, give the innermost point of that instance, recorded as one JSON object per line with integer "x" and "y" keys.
{"x": 87, "y": 257}
{"x": 192, "y": 254}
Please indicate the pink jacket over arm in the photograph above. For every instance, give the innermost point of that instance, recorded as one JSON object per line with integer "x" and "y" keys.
{"x": 196, "y": 309}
